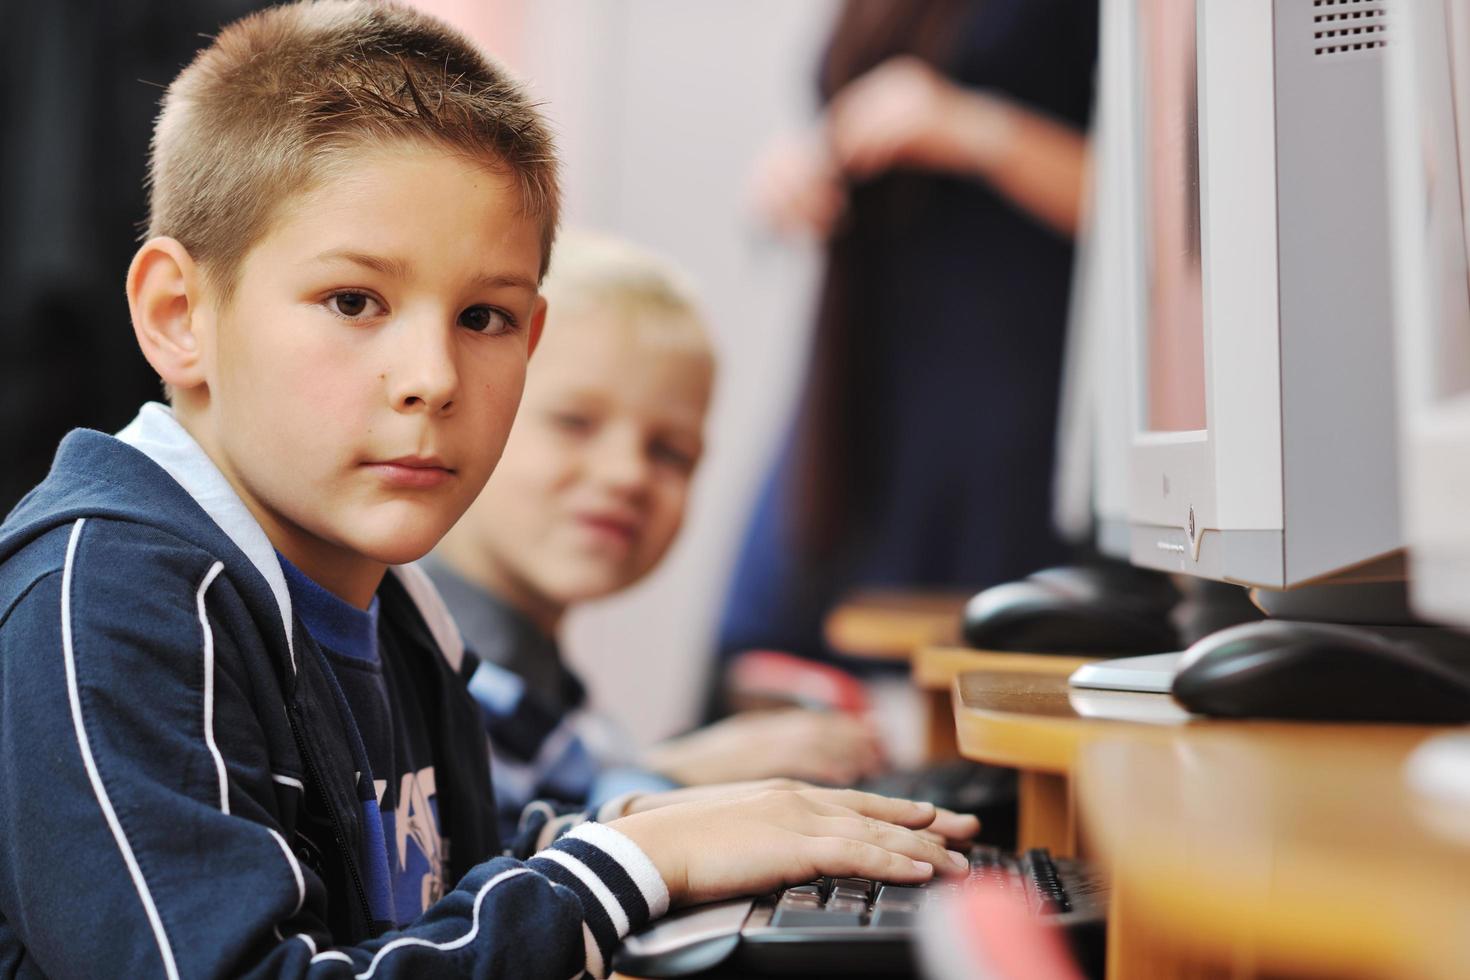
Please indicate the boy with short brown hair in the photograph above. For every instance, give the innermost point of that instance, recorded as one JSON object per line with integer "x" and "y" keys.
{"x": 235, "y": 736}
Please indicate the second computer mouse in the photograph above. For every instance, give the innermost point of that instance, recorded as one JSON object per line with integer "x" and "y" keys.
{"x": 1140, "y": 588}
{"x": 1319, "y": 672}
{"x": 1034, "y": 616}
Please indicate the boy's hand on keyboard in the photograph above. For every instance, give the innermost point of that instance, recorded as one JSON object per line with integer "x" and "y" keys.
{"x": 755, "y": 843}
{"x": 945, "y": 826}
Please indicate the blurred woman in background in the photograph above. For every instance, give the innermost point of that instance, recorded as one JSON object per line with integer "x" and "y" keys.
{"x": 945, "y": 177}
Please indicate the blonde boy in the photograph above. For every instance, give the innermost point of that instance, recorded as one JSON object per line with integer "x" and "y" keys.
{"x": 587, "y": 499}
{"x": 234, "y": 733}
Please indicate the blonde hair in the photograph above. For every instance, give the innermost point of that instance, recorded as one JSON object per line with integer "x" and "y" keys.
{"x": 595, "y": 270}
{"x": 264, "y": 112}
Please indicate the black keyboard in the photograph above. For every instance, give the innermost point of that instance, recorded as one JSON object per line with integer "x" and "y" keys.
{"x": 852, "y": 926}
{"x": 855, "y": 902}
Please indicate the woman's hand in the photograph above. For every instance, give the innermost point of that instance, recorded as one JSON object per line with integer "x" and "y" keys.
{"x": 905, "y": 114}
{"x": 797, "y": 188}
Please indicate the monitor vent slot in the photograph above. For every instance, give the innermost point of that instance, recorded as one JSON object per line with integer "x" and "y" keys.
{"x": 1342, "y": 27}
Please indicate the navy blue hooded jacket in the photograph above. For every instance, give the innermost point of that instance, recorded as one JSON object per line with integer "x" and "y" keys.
{"x": 177, "y": 794}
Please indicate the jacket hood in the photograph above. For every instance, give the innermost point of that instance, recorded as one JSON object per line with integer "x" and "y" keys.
{"x": 154, "y": 473}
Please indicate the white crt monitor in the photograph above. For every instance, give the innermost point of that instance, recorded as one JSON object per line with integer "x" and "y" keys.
{"x": 1095, "y": 439}
{"x": 1429, "y": 139}
{"x": 1264, "y": 443}
{"x": 1118, "y": 269}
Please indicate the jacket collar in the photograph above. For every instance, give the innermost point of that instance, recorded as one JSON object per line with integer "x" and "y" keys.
{"x": 155, "y": 433}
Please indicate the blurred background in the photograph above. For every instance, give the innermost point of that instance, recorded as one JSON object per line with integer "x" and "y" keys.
{"x": 666, "y": 111}
{"x": 661, "y": 108}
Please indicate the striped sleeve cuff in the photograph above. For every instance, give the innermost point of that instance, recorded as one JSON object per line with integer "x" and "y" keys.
{"x": 618, "y": 886}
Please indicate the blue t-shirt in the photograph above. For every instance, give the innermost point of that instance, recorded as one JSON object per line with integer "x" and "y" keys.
{"x": 397, "y": 748}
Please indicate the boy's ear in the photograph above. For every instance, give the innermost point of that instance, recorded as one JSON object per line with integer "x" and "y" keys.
{"x": 538, "y": 323}
{"x": 165, "y": 298}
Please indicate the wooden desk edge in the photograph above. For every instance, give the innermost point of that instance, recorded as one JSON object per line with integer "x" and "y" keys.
{"x": 936, "y": 666}
{"x": 893, "y": 625}
{"x": 1014, "y": 740}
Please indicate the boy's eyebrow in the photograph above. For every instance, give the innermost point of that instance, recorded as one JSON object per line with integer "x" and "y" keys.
{"x": 402, "y": 269}
{"x": 395, "y": 268}
{"x": 507, "y": 280}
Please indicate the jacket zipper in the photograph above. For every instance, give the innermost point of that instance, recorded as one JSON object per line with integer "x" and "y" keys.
{"x": 351, "y": 859}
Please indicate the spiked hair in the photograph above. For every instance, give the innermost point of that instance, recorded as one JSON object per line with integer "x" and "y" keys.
{"x": 282, "y": 96}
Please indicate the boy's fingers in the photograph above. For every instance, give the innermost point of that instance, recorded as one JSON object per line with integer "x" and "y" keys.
{"x": 955, "y": 826}
{"x": 843, "y": 857}
{"x": 895, "y": 839}
{"x": 905, "y": 813}
{"x": 913, "y": 814}
{"x": 833, "y": 802}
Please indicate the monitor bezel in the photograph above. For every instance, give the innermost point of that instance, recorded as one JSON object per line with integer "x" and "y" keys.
{"x": 1184, "y": 519}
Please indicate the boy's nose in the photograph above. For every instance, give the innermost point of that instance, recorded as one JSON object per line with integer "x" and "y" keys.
{"x": 424, "y": 374}
{"x": 621, "y": 462}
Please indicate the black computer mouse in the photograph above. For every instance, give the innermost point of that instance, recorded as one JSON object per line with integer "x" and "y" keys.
{"x": 1140, "y": 588}
{"x": 1035, "y": 616}
{"x": 1319, "y": 672}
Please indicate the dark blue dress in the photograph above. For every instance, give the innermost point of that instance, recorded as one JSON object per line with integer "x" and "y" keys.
{"x": 955, "y": 307}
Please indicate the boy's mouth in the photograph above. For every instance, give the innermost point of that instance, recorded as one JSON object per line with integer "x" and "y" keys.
{"x": 412, "y": 472}
{"x": 612, "y": 526}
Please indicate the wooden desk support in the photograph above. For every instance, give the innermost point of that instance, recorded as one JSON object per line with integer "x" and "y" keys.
{"x": 936, "y": 667}
{"x": 1281, "y": 850}
{"x": 891, "y": 625}
{"x": 1033, "y": 722}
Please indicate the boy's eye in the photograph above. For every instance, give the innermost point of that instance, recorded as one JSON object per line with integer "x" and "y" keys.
{"x": 486, "y": 319}
{"x": 673, "y": 456}
{"x": 351, "y": 305}
{"x": 571, "y": 422}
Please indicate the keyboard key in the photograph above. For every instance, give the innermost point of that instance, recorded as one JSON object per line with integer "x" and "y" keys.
{"x": 787, "y": 917}
{"x": 897, "y": 905}
{"x": 801, "y": 901}
{"x": 858, "y": 887}
{"x": 900, "y": 896}
{"x": 804, "y": 909}
{"x": 894, "y": 917}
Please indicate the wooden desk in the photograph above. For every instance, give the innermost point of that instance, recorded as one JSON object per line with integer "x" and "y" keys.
{"x": 935, "y": 668}
{"x": 1033, "y": 721}
{"x": 1276, "y": 849}
{"x": 1237, "y": 849}
{"x": 891, "y": 625}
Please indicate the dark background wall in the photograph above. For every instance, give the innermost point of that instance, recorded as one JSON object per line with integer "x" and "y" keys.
{"x": 81, "y": 83}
